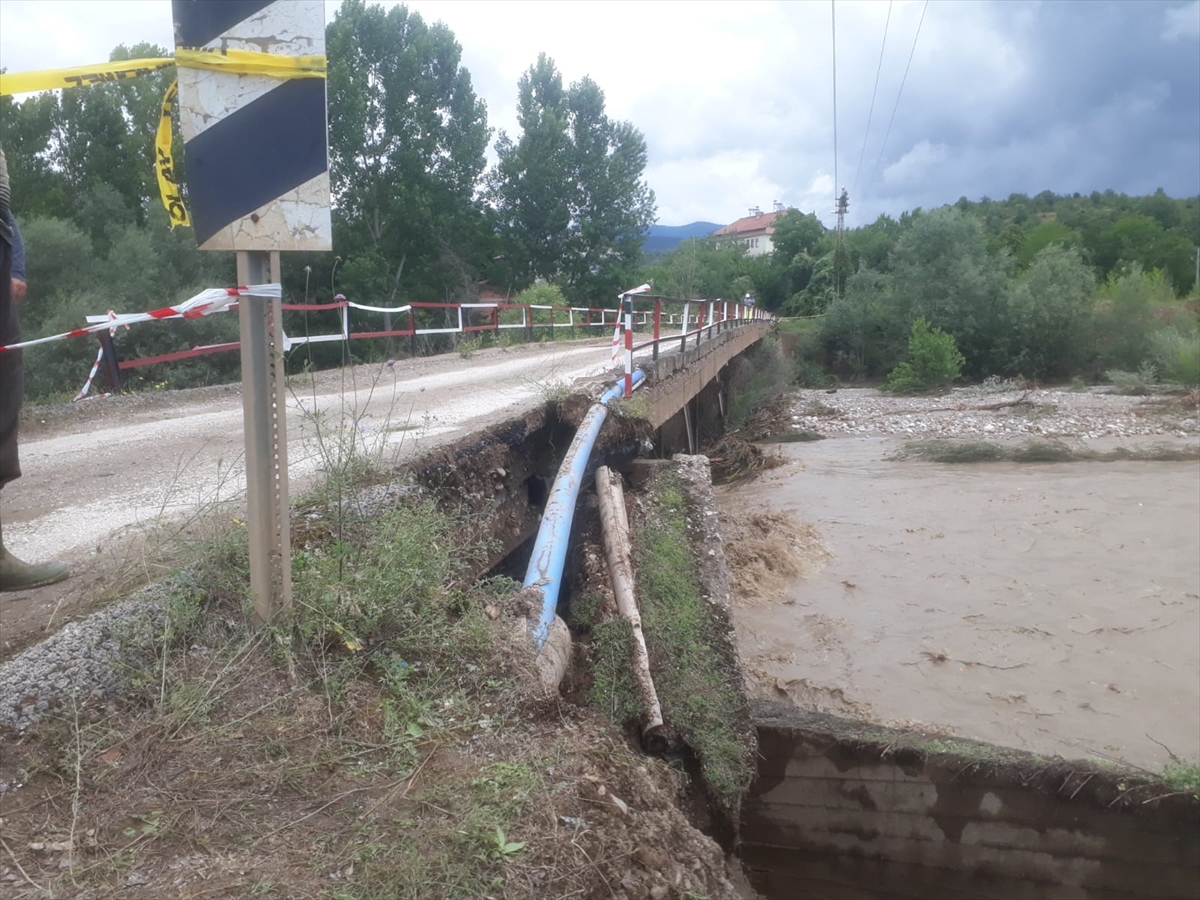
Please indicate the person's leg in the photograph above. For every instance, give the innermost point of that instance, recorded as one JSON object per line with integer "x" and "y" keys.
{"x": 12, "y": 381}
{"x": 14, "y": 574}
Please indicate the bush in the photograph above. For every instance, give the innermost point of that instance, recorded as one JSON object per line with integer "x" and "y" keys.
{"x": 933, "y": 361}
{"x": 1133, "y": 383}
{"x": 1177, "y": 354}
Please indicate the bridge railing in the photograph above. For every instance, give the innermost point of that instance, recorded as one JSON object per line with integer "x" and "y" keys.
{"x": 665, "y": 319}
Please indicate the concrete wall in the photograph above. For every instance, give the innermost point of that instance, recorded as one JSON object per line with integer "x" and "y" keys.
{"x": 838, "y": 813}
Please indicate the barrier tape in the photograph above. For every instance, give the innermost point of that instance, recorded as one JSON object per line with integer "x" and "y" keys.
{"x": 87, "y": 385}
{"x": 236, "y": 62}
{"x": 205, "y": 303}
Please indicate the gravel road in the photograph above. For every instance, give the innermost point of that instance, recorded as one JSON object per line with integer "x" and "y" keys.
{"x": 100, "y": 476}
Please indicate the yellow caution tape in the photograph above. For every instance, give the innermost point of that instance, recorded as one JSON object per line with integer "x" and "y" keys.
{"x": 80, "y": 76}
{"x": 250, "y": 62}
{"x": 233, "y": 62}
{"x": 168, "y": 187}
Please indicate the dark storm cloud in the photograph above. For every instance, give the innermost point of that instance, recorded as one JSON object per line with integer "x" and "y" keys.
{"x": 1061, "y": 96}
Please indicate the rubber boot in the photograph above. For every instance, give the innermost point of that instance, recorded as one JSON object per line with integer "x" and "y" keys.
{"x": 20, "y": 576}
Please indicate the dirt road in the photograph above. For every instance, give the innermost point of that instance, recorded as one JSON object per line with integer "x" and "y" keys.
{"x": 1049, "y": 607}
{"x": 98, "y": 476}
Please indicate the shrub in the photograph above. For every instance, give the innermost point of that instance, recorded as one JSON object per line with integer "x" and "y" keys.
{"x": 1177, "y": 354}
{"x": 933, "y": 361}
{"x": 1133, "y": 383}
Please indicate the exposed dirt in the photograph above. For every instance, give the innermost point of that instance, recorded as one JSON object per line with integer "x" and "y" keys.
{"x": 107, "y": 483}
{"x": 270, "y": 788}
{"x": 1049, "y": 607}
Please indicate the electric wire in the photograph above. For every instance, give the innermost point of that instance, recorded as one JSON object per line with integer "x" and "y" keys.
{"x": 899, "y": 94}
{"x": 833, "y": 29}
{"x": 874, "y": 91}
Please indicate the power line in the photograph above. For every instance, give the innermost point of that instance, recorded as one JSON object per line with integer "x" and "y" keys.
{"x": 874, "y": 91}
{"x": 899, "y": 94}
{"x": 833, "y": 28}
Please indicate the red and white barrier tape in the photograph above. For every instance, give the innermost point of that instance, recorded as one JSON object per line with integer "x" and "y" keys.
{"x": 87, "y": 385}
{"x": 203, "y": 304}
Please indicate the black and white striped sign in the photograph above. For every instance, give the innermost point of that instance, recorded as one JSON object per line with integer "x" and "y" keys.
{"x": 256, "y": 147}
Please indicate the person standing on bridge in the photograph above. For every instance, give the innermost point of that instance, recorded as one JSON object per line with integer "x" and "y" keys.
{"x": 15, "y": 575}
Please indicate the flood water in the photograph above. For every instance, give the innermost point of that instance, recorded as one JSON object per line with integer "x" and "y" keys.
{"x": 1053, "y": 608}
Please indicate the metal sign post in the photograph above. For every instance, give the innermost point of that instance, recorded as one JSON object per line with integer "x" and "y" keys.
{"x": 257, "y": 158}
{"x": 263, "y": 415}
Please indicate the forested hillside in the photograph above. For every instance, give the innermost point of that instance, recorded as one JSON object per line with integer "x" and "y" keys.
{"x": 1046, "y": 287}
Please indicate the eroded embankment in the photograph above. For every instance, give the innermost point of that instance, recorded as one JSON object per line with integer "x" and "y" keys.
{"x": 844, "y": 809}
{"x": 385, "y": 739}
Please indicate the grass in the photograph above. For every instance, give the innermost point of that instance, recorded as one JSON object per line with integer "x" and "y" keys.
{"x": 798, "y": 325}
{"x": 1182, "y": 776}
{"x": 1036, "y": 451}
{"x": 380, "y": 740}
{"x": 699, "y": 698}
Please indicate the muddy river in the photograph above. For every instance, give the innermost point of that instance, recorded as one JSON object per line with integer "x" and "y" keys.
{"x": 1049, "y": 607}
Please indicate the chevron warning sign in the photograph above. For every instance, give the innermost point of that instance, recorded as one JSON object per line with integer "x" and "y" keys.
{"x": 255, "y": 146}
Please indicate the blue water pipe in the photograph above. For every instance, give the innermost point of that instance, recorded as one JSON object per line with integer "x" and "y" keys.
{"x": 550, "y": 548}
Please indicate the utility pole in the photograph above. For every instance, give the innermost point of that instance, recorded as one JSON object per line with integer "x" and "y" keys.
{"x": 843, "y": 206}
{"x": 1196, "y": 283}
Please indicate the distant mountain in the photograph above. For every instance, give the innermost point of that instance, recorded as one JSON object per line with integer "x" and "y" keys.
{"x": 661, "y": 238}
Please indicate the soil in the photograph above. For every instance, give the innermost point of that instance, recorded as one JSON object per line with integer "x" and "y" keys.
{"x": 108, "y": 484}
{"x": 272, "y": 789}
{"x": 1053, "y": 608}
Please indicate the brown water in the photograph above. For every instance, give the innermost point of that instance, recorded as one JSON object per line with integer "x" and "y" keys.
{"x": 1053, "y": 608}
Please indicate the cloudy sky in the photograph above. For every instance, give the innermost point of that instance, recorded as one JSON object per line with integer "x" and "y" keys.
{"x": 736, "y": 98}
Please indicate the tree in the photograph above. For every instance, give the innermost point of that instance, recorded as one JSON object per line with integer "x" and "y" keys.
{"x": 1050, "y": 315}
{"x": 1041, "y": 237}
{"x": 569, "y": 195}
{"x": 943, "y": 272}
{"x": 407, "y": 136}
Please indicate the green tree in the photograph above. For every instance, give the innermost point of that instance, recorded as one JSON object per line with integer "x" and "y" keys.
{"x": 39, "y": 188}
{"x": 569, "y": 195}
{"x": 1049, "y": 316}
{"x": 933, "y": 361}
{"x": 942, "y": 271}
{"x": 1041, "y": 237}
{"x": 407, "y": 136}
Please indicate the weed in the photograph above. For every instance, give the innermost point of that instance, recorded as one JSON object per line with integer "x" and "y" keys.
{"x": 469, "y": 346}
{"x": 1078, "y": 385}
{"x": 613, "y": 690}
{"x": 698, "y": 697}
{"x": 635, "y": 407}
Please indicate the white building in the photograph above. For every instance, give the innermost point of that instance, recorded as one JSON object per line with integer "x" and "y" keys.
{"x": 754, "y": 231}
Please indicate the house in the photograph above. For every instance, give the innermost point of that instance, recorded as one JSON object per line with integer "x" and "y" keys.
{"x": 754, "y": 230}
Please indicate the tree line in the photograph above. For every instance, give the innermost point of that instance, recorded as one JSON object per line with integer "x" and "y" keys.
{"x": 1047, "y": 287}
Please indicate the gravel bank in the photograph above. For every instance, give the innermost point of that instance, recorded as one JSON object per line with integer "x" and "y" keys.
{"x": 89, "y": 660}
{"x": 1082, "y": 415}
